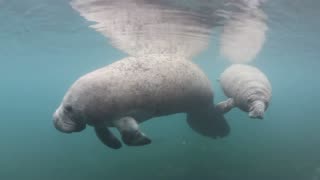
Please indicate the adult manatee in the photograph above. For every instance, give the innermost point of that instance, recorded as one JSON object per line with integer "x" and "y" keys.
{"x": 135, "y": 89}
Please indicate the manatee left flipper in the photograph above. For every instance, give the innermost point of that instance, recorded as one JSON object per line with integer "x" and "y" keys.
{"x": 107, "y": 138}
{"x": 225, "y": 106}
{"x": 130, "y": 132}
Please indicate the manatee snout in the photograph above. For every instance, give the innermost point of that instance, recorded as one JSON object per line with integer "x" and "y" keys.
{"x": 257, "y": 109}
{"x": 256, "y": 114}
{"x": 65, "y": 124}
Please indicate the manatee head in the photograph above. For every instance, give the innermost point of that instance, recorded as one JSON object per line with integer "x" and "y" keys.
{"x": 258, "y": 103}
{"x": 66, "y": 120}
{"x": 257, "y": 109}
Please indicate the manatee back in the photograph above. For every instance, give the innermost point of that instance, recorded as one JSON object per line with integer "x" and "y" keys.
{"x": 157, "y": 84}
{"x": 244, "y": 82}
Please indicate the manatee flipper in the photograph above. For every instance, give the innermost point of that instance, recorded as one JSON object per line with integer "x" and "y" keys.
{"x": 131, "y": 135}
{"x": 107, "y": 138}
{"x": 225, "y": 106}
{"x": 209, "y": 123}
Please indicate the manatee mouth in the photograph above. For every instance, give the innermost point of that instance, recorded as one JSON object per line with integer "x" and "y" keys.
{"x": 63, "y": 126}
{"x": 68, "y": 126}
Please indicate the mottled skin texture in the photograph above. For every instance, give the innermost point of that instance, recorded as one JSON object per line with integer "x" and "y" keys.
{"x": 247, "y": 88}
{"x": 133, "y": 90}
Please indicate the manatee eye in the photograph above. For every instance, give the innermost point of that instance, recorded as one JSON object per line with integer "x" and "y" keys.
{"x": 69, "y": 108}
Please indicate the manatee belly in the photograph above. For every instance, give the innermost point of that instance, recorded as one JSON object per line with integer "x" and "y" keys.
{"x": 152, "y": 86}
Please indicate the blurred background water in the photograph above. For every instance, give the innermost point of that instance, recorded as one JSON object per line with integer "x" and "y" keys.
{"x": 46, "y": 45}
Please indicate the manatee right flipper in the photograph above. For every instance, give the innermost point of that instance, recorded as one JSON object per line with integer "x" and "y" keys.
{"x": 107, "y": 138}
{"x": 130, "y": 132}
{"x": 225, "y": 106}
{"x": 209, "y": 123}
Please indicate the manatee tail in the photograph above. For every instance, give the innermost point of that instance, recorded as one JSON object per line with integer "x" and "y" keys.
{"x": 209, "y": 123}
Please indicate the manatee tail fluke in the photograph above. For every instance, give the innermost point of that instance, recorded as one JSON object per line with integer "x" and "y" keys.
{"x": 209, "y": 123}
{"x": 107, "y": 138}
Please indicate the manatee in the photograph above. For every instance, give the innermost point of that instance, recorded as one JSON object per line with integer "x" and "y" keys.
{"x": 247, "y": 88}
{"x": 135, "y": 89}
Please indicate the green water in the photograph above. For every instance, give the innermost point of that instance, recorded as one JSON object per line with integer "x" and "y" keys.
{"x": 39, "y": 60}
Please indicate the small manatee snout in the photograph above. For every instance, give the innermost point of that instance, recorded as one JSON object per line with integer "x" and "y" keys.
{"x": 256, "y": 114}
{"x": 257, "y": 110}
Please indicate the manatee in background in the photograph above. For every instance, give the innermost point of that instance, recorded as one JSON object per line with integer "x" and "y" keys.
{"x": 247, "y": 88}
{"x": 133, "y": 90}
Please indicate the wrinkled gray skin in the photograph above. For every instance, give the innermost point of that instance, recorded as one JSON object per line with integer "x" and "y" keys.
{"x": 133, "y": 90}
{"x": 247, "y": 88}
